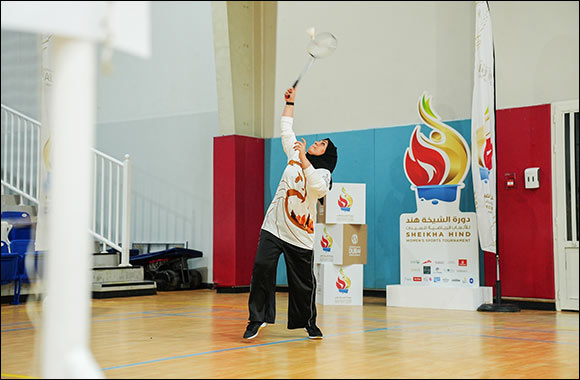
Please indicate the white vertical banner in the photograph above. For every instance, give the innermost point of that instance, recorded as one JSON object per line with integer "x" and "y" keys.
{"x": 42, "y": 232}
{"x": 483, "y": 130}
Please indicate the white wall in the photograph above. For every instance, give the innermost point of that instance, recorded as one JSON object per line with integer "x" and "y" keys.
{"x": 21, "y": 72}
{"x": 163, "y": 112}
{"x": 536, "y": 50}
{"x": 389, "y": 52}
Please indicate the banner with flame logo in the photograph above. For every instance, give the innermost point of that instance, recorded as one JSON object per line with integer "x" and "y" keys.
{"x": 345, "y": 204}
{"x": 435, "y": 238}
{"x": 326, "y": 241}
{"x": 344, "y": 200}
{"x": 440, "y": 159}
{"x": 339, "y": 284}
{"x": 342, "y": 282}
{"x": 483, "y": 130}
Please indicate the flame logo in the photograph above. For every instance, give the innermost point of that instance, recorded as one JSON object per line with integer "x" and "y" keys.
{"x": 344, "y": 202}
{"x": 424, "y": 164}
{"x": 485, "y": 152}
{"x": 440, "y": 159}
{"x": 326, "y": 241}
{"x": 342, "y": 282}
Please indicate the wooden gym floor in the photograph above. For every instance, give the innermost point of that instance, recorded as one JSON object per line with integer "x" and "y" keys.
{"x": 198, "y": 334}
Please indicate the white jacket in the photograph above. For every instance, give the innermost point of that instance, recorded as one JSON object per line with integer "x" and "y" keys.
{"x": 292, "y": 213}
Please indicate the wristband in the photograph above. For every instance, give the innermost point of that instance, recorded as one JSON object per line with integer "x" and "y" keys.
{"x": 289, "y": 103}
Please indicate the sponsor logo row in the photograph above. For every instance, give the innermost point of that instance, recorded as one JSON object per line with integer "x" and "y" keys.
{"x": 437, "y": 279}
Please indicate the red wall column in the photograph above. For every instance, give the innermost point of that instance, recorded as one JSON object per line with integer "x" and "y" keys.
{"x": 238, "y": 210}
{"x": 524, "y": 215}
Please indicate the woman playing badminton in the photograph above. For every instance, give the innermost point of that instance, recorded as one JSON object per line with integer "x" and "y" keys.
{"x": 288, "y": 228}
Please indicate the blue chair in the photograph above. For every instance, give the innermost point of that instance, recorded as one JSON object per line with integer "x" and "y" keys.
{"x": 5, "y": 247}
{"x": 21, "y": 232}
{"x": 10, "y": 273}
{"x": 21, "y": 224}
{"x": 21, "y": 246}
{"x": 16, "y": 217}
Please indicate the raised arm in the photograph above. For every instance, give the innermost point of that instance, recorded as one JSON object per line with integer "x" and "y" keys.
{"x": 289, "y": 96}
{"x": 318, "y": 180}
{"x": 286, "y": 132}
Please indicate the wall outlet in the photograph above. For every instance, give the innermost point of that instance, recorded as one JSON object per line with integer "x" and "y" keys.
{"x": 532, "y": 178}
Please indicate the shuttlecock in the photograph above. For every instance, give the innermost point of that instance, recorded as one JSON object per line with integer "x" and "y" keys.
{"x": 310, "y": 32}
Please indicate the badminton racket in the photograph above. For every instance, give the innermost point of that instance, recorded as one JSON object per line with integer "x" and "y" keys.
{"x": 320, "y": 46}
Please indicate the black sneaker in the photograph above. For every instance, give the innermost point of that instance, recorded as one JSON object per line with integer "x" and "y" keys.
{"x": 313, "y": 332}
{"x": 253, "y": 329}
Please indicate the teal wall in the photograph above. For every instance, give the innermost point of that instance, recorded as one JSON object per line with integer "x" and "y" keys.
{"x": 374, "y": 157}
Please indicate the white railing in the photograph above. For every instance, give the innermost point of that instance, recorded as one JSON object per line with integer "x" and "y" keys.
{"x": 20, "y": 154}
{"x": 20, "y": 173}
{"x": 111, "y": 203}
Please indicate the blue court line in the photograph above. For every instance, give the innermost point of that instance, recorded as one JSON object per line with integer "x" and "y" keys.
{"x": 21, "y": 328}
{"x": 185, "y": 313}
{"x": 527, "y": 339}
{"x": 533, "y": 330}
{"x": 280, "y": 321}
{"x": 327, "y": 336}
{"x": 152, "y": 315}
{"x": 402, "y": 328}
{"x": 200, "y": 353}
{"x": 93, "y": 320}
{"x": 557, "y": 331}
{"x": 489, "y": 336}
{"x": 475, "y": 325}
{"x": 201, "y": 309}
{"x": 101, "y": 320}
{"x": 164, "y": 312}
{"x": 204, "y": 317}
{"x": 161, "y": 313}
{"x": 238, "y": 348}
{"x": 16, "y": 323}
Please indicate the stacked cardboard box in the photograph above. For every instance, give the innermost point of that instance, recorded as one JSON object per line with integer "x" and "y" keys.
{"x": 340, "y": 245}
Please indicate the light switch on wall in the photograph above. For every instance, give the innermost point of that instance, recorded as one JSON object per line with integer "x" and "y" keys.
{"x": 532, "y": 178}
{"x": 510, "y": 180}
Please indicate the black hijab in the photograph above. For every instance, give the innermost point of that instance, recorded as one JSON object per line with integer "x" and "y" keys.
{"x": 325, "y": 161}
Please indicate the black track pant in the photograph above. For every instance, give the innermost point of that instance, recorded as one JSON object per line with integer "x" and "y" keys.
{"x": 301, "y": 282}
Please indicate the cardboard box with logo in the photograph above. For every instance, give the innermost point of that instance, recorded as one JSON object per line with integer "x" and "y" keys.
{"x": 339, "y": 284}
{"x": 345, "y": 203}
{"x": 340, "y": 244}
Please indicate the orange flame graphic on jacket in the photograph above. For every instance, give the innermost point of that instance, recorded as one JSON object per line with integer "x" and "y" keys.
{"x": 304, "y": 222}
